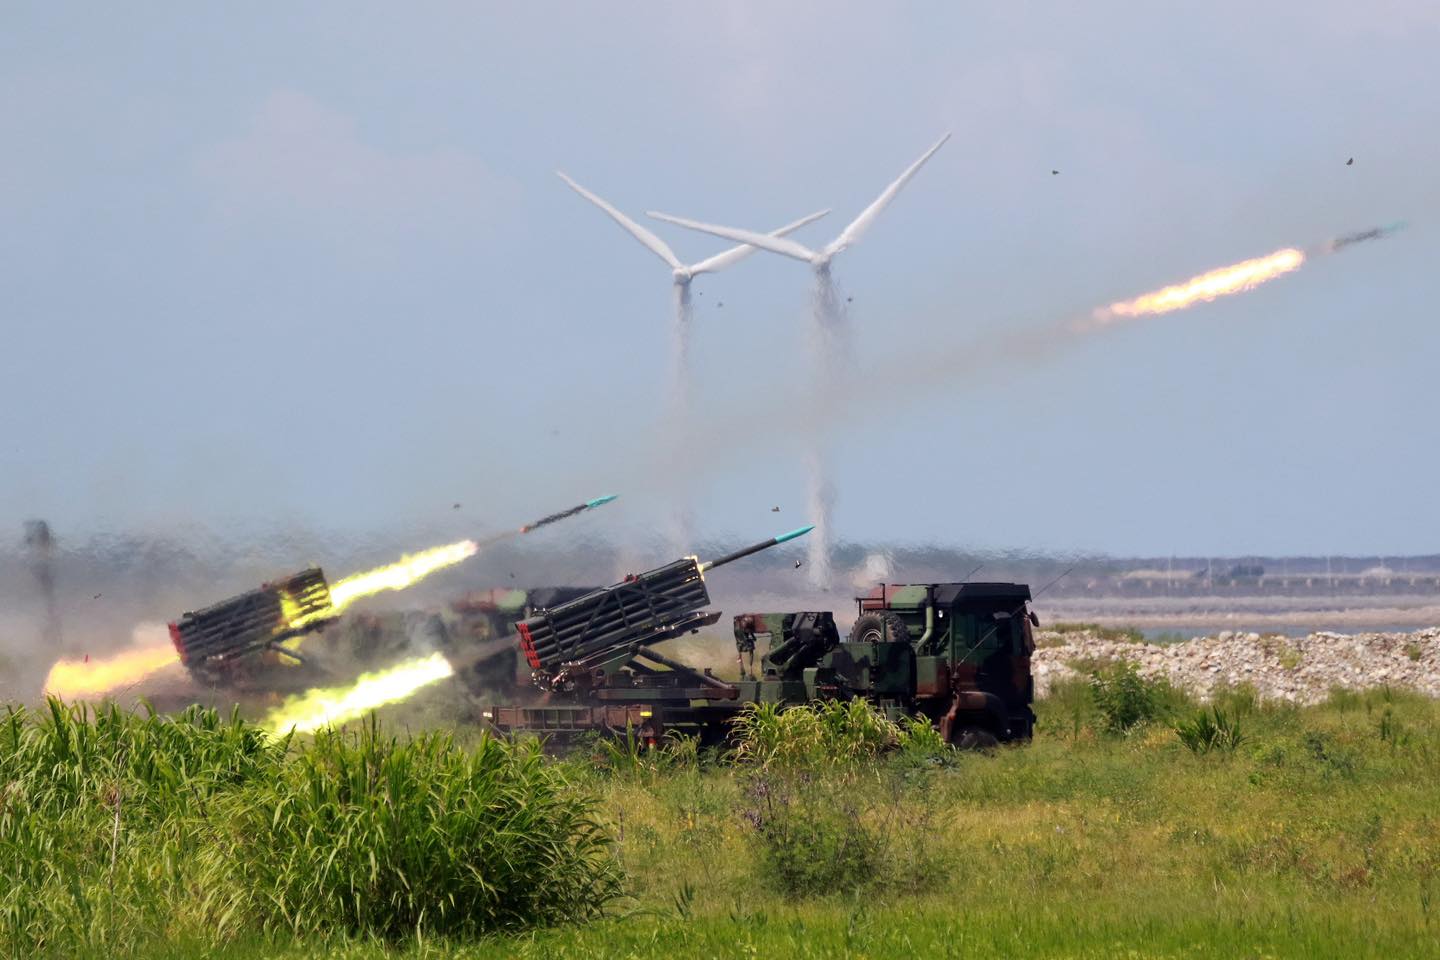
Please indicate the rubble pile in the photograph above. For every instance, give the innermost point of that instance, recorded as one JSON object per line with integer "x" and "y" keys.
{"x": 1299, "y": 669}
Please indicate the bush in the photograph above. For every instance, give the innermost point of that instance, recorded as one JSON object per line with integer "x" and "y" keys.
{"x": 823, "y": 734}
{"x": 921, "y": 743}
{"x": 372, "y": 834}
{"x": 1126, "y": 700}
{"x": 812, "y": 775}
{"x": 1210, "y": 730}
{"x": 811, "y": 836}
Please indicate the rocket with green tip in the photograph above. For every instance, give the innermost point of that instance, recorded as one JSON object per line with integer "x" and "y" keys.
{"x": 587, "y": 505}
{"x": 756, "y": 548}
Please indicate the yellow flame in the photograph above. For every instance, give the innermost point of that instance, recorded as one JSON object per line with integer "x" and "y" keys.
{"x": 1235, "y": 278}
{"x": 408, "y": 570}
{"x": 93, "y": 677}
{"x": 322, "y": 707}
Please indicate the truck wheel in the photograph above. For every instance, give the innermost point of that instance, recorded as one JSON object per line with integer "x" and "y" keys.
{"x": 879, "y": 628}
{"x": 975, "y": 738}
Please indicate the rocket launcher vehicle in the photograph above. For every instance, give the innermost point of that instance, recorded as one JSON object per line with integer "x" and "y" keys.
{"x": 581, "y": 641}
{"x": 256, "y": 620}
{"x": 262, "y": 619}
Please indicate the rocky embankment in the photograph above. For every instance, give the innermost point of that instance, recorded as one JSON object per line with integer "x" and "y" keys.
{"x": 1300, "y": 669}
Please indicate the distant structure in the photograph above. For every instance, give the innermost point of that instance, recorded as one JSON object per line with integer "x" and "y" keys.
{"x": 830, "y": 347}
{"x": 40, "y": 551}
{"x": 679, "y": 399}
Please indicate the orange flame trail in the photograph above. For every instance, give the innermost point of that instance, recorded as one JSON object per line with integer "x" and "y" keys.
{"x": 91, "y": 677}
{"x": 1236, "y": 278}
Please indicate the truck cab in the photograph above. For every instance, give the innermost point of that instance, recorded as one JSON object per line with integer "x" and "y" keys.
{"x": 971, "y": 645}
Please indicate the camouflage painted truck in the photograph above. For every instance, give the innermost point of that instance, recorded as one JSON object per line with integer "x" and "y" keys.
{"x": 958, "y": 653}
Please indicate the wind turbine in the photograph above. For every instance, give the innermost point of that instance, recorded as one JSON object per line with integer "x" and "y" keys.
{"x": 819, "y": 259}
{"x": 831, "y": 344}
{"x": 681, "y": 274}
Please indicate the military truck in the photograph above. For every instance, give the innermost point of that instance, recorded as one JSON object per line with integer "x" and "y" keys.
{"x": 958, "y": 653}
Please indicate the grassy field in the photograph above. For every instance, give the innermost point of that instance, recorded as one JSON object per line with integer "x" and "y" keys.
{"x": 1308, "y": 832}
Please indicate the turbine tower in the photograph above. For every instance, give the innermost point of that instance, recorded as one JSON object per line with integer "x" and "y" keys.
{"x": 830, "y": 346}
{"x": 678, "y": 400}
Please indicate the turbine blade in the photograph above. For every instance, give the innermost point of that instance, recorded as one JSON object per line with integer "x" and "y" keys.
{"x": 857, "y": 228}
{"x": 736, "y": 254}
{"x": 778, "y": 245}
{"x": 651, "y": 242}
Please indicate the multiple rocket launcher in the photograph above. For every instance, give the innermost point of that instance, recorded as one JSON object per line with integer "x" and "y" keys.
{"x": 563, "y": 644}
{"x": 279, "y": 611}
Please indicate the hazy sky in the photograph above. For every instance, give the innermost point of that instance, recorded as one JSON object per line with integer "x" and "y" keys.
{"x": 310, "y": 264}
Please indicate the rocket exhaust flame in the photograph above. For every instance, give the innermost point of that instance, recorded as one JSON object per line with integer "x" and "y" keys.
{"x": 407, "y": 571}
{"x": 323, "y": 707}
{"x": 1224, "y": 281}
{"x": 93, "y": 677}
{"x": 238, "y": 617}
{"x": 412, "y": 568}
{"x": 1211, "y": 285}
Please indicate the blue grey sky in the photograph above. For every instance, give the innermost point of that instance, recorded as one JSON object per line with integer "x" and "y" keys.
{"x": 309, "y": 264}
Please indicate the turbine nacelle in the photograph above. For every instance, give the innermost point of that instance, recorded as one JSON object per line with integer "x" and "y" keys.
{"x": 682, "y": 276}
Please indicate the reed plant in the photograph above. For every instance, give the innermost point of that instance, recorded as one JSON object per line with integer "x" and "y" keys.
{"x": 121, "y": 828}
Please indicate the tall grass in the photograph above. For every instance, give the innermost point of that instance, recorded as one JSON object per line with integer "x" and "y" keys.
{"x": 117, "y": 829}
{"x": 1315, "y": 837}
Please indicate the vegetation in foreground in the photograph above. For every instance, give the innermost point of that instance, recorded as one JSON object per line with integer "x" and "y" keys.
{"x": 1134, "y": 825}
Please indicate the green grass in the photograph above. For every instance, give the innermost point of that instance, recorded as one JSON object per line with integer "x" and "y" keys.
{"x": 1316, "y": 836}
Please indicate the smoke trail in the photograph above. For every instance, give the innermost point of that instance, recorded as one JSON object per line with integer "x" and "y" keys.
{"x": 830, "y": 352}
{"x": 678, "y": 413}
{"x": 907, "y": 375}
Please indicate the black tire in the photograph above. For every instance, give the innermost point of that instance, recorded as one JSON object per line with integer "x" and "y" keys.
{"x": 975, "y": 738}
{"x": 879, "y": 628}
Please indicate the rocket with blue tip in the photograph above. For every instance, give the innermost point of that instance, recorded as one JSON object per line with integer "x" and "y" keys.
{"x": 756, "y": 548}
{"x": 552, "y": 518}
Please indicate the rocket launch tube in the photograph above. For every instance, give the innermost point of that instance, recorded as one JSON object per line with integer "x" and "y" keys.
{"x": 642, "y": 609}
